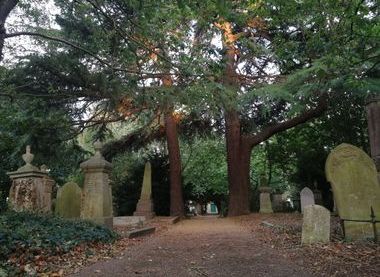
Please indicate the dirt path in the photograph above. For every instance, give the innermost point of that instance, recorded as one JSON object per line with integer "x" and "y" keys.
{"x": 204, "y": 246}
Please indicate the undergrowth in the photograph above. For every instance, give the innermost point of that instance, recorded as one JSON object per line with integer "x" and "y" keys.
{"x": 30, "y": 235}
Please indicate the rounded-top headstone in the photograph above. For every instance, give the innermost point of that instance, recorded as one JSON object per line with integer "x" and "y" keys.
{"x": 68, "y": 203}
{"x": 307, "y": 198}
{"x": 353, "y": 177}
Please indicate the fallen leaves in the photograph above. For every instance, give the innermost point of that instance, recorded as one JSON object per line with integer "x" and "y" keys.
{"x": 338, "y": 258}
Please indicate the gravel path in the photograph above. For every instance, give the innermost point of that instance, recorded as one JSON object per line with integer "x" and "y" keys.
{"x": 204, "y": 246}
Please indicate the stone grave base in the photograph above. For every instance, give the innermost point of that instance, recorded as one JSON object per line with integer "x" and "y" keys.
{"x": 126, "y": 221}
{"x": 360, "y": 230}
{"x": 144, "y": 208}
{"x": 140, "y": 232}
{"x": 106, "y": 221}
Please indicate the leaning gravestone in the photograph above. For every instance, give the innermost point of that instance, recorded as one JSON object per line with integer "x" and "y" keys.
{"x": 145, "y": 204}
{"x": 307, "y": 198}
{"x": 353, "y": 177}
{"x": 316, "y": 225}
{"x": 68, "y": 201}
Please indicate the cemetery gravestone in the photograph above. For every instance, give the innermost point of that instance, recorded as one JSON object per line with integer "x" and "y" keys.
{"x": 145, "y": 204}
{"x": 316, "y": 225}
{"x": 31, "y": 188}
{"x": 353, "y": 177}
{"x": 68, "y": 202}
{"x": 97, "y": 194}
{"x": 265, "y": 201}
{"x": 307, "y": 198}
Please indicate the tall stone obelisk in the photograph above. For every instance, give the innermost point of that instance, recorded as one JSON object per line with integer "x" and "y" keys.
{"x": 145, "y": 204}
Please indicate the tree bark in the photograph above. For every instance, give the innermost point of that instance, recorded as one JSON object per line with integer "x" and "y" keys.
{"x": 177, "y": 207}
{"x": 238, "y": 162}
{"x": 176, "y": 197}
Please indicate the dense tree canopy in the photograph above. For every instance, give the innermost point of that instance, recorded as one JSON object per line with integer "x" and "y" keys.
{"x": 250, "y": 69}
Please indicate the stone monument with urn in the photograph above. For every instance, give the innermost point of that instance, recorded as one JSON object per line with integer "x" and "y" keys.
{"x": 31, "y": 188}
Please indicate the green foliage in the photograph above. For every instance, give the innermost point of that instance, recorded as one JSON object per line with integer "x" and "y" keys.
{"x": 205, "y": 170}
{"x": 32, "y": 234}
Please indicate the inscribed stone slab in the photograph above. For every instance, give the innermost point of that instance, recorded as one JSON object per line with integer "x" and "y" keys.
{"x": 316, "y": 225}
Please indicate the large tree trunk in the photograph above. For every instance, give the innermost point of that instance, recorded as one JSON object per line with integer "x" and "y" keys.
{"x": 176, "y": 197}
{"x": 177, "y": 207}
{"x": 238, "y": 161}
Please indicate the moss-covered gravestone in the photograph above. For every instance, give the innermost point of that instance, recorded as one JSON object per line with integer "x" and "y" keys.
{"x": 68, "y": 201}
{"x": 353, "y": 177}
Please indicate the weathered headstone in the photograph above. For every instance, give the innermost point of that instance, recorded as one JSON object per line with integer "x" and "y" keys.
{"x": 316, "y": 225}
{"x": 31, "y": 188}
{"x": 307, "y": 198}
{"x": 68, "y": 202}
{"x": 265, "y": 201}
{"x": 97, "y": 193}
{"x": 145, "y": 204}
{"x": 353, "y": 177}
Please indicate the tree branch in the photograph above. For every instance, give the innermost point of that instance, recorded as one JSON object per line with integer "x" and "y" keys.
{"x": 271, "y": 130}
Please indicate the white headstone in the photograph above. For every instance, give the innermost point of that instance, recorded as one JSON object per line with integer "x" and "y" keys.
{"x": 307, "y": 198}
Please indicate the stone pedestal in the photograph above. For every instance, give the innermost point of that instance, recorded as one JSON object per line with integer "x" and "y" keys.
{"x": 145, "y": 204}
{"x": 97, "y": 194}
{"x": 265, "y": 202}
{"x": 31, "y": 188}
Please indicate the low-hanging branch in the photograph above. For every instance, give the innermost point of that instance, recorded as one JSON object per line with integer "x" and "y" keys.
{"x": 271, "y": 130}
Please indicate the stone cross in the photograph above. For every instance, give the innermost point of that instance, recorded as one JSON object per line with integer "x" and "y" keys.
{"x": 316, "y": 225}
{"x": 353, "y": 177}
{"x": 307, "y": 198}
